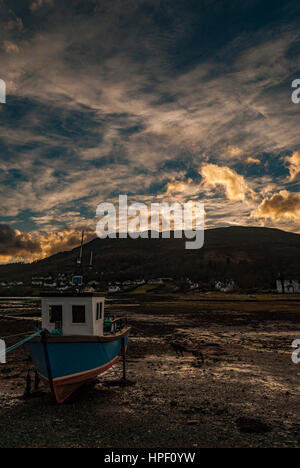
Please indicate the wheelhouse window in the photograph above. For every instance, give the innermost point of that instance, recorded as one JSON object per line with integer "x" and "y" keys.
{"x": 78, "y": 313}
{"x": 99, "y": 311}
{"x": 55, "y": 313}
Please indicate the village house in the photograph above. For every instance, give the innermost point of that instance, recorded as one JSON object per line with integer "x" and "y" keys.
{"x": 155, "y": 281}
{"x": 37, "y": 281}
{"x": 288, "y": 286}
{"x": 113, "y": 289}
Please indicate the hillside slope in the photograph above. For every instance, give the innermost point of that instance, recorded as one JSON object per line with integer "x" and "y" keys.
{"x": 253, "y": 256}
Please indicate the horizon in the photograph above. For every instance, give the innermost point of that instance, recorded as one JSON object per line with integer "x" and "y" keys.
{"x": 170, "y": 101}
{"x": 160, "y": 238}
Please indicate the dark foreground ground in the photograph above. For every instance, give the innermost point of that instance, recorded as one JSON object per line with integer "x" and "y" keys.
{"x": 245, "y": 394}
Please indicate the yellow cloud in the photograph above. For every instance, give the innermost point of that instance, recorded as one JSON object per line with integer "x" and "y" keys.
{"x": 236, "y": 153}
{"x": 53, "y": 242}
{"x": 234, "y": 184}
{"x": 11, "y": 47}
{"x": 281, "y": 205}
{"x": 251, "y": 160}
{"x": 177, "y": 186}
{"x": 294, "y": 164}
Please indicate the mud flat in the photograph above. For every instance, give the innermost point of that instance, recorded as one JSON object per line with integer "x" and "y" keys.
{"x": 244, "y": 394}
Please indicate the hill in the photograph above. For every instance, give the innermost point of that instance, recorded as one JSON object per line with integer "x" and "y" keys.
{"x": 252, "y": 256}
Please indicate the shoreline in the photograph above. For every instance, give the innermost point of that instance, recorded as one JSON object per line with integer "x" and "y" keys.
{"x": 177, "y": 401}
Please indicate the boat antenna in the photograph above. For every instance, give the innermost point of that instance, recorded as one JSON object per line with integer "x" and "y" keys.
{"x": 79, "y": 259}
{"x": 77, "y": 278}
{"x": 91, "y": 261}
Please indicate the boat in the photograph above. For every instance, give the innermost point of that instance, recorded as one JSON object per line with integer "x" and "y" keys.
{"x": 78, "y": 342}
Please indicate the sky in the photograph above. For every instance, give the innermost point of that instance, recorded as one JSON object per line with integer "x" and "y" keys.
{"x": 162, "y": 100}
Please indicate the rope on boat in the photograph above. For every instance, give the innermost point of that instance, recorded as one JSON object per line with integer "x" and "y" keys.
{"x": 20, "y": 343}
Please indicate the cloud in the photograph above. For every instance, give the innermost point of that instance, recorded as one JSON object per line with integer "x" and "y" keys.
{"x": 238, "y": 154}
{"x": 108, "y": 99}
{"x": 182, "y": 190}
{"x": 30, "y": 247}
{"x": 234, "y": 184}
{"x": 294, "y": 164}
{"x": 37, "y": 4}
{"x": 281, "y": 205}
{"x": 14, "y": 242}
{"x": 67, "y": 239}
{"x": 11, "y": 47}
{"x": 251, "y": 160}
{"x": 234, "y": 151}
{"x": 177, "y": 186}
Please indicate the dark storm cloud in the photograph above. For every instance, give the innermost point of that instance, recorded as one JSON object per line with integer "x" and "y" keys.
{"x": 24, "y": 246}
{"x": 14, "y": 242}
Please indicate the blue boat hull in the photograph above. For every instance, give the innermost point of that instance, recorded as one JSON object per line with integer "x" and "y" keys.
{"x": 68, "y": 364}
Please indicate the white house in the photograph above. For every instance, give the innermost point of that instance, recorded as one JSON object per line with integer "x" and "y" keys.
{"x": 155, "y": 281}
{"x": 35, "y": 281}
{"x": 227, "y": 286}
{"x": 74, "y": 314}
{"x": 290, "y": 286}
{"x": 138, "y": 282}
{"x": 49, "y": 283}
{"x": 93, "y": 283}
{"x": 113, "y": 289}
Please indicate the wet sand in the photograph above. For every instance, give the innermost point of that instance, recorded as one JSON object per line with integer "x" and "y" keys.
{"x": 245, "y": 394}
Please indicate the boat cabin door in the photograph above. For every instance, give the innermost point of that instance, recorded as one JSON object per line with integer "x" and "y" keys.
{"x": 99, "y": 317}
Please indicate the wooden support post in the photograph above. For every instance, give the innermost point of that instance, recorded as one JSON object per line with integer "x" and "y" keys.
{"x": 48, "y": 366}
{"x": 36, "y": 380}
{"x": 28, "y": 385}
